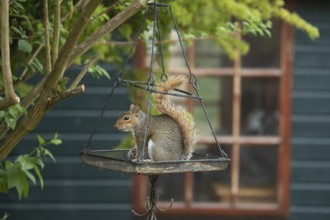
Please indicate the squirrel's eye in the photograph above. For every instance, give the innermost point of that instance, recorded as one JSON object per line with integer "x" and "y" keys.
{"x": 126, "y": 117}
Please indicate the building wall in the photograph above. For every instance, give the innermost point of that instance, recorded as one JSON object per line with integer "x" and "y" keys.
{"x": 310, "y": 180}
{"x": 74, "y": 191}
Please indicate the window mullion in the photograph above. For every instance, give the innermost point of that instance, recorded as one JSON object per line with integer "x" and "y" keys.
{"x": 189, "y": 177}
{"x": 235, "y": 155}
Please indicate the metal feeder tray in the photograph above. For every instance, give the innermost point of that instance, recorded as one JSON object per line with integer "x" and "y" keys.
{"x": 117, "y": 160}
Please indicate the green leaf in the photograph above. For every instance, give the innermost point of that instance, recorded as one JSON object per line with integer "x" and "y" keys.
{"x": 16, "y": 30}
{"x": 3, "y": 183}
{"x": 56, "y": 141}
{"x": 2, "y": 114}
{"x": 41, "y": 140}
{"x": 40, "y": 163}
{"x": 5, "y": 216}
{"x": 17, "y": 179}
{"x": 20, "y": 109}
{"x": 26, "y": 162}
{"x": 30, "y": 176}
{"x": 36, "y": 64}
{"x": 8, "y": 164}
{"x": 49, "y": 154}
{"x": 24, "y": 45}
{"x": 11, "y": 121}
{"x": 36, "y": 169}
{"x": 13, "y": 111}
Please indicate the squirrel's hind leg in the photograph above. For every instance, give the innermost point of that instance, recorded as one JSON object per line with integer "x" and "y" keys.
{"x": 162, "y": 151}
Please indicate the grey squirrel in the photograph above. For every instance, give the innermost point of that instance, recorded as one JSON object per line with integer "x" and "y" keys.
{"x": 170, "y": 136}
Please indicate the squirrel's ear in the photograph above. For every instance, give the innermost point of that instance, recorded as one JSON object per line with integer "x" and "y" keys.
{"x": 134, "y": 108}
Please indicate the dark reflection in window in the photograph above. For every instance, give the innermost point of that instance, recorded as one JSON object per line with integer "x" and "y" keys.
{"x": 258, "y": 174}
{"x": 264, "y": 51}
{"x": 212, "y": 186}
{"x": 259, "y": 109}
{"x": 214, "y": 92}
{"x": 170, "y": 186}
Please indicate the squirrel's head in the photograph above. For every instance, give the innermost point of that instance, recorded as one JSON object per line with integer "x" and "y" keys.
{"x": 128, "y": 119}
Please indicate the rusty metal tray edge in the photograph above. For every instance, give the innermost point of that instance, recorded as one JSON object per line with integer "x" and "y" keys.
{"x": 116, "y": 160}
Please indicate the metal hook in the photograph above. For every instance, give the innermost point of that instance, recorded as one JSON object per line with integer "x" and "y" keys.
{"x": 163, "y": 77}
{"x": 152, "y": 200}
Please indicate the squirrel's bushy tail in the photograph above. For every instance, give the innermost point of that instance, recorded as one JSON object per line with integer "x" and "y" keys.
{"x": 178, "y": 113}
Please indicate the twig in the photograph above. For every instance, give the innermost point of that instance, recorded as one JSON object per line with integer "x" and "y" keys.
{"x": 109, "y": 26}
{"x": 35, "y": 54}
{"x": 83, "y": 72}
{"x": 57, "y": 24}
{"x": 69, "y": 14}
{"x": 47, "y": 43}
{"x": 68, "y": 93}
{"x": 108, "y": 9}
{"x": 10, "y": 96}
{"x": 33, "y": 94}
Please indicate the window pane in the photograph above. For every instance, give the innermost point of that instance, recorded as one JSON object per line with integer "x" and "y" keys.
{"x": 259, "y": 109}
{"x": 216, "y": 93}
{"x": 176, "y": 58}
{"x": 258, "y": 174}
{"x": 212, "y": 186}
{"x": 209, "y": 55}
{"x": 264, "y": 51}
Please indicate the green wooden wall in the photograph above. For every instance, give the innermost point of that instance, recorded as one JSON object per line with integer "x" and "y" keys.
{"x": 310, "y": 180}
{"x": 72, "y": 190}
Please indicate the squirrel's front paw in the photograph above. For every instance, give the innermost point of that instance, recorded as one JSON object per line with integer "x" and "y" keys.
{"x": 143, "y": 161}
{"x": 132, "y": 153}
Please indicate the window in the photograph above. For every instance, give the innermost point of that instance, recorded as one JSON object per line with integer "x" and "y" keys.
{"x": 248, "y": 101}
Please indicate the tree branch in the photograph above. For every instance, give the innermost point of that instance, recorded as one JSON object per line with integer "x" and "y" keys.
{"x": 46, "y": 99}
{"x": 83, "y": 72}
{"x": 57, "y": 24}
{"x": 44, "y": 103}
{"x": 61, "y": 62}
{"x": 31, "y": 120}
{"x": 69, "y": 14}
{"x": 35, "y": 54}
{"x": 112, "y": 24}
{"x": 106, "y": 10}
{"x": 46, "y": 35}
{"x": 68, "y": 93}
{"x": 10, "y": 96}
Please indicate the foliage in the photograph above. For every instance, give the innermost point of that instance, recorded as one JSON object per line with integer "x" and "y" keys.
{"x": 98, "y": 71}
{"x": 12, "y": 114}
{"x": 217, "y": 19}
{"x": 25, "y": 168}
{"x": 4, "y": 217}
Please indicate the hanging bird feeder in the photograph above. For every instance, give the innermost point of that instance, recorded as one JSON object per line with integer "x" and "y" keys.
{"x": 117, "y": 160}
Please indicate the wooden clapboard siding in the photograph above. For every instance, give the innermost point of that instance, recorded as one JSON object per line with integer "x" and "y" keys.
{"x": 73, "y": 190}
{"x": 70, "y": 211}
{"x": 310, "y": 176}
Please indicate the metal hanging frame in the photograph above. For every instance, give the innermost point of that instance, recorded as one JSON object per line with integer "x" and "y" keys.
{"x": 117, "y": 160}
{"x": 150, "y": 86}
